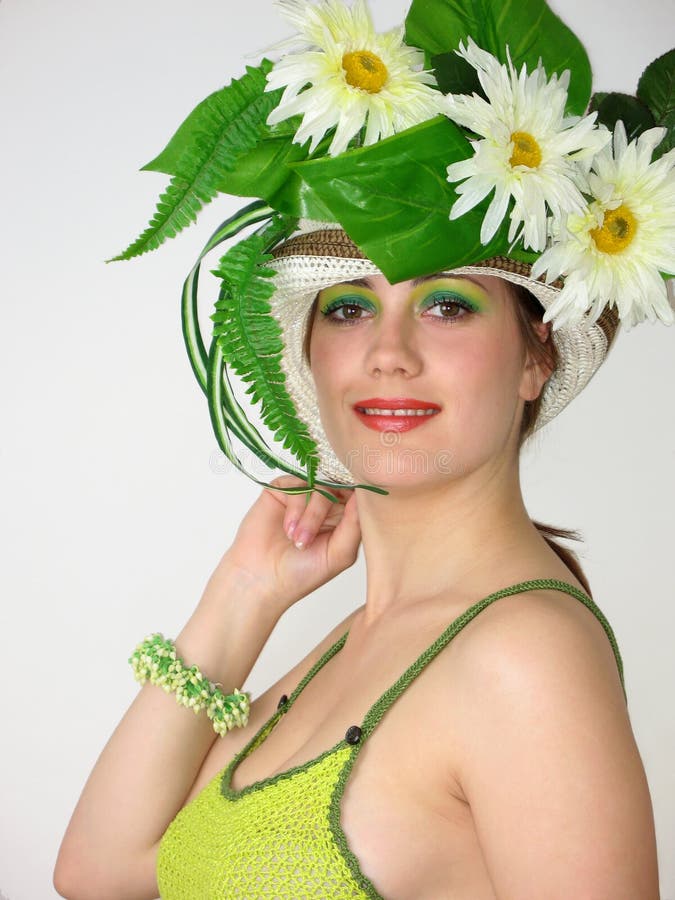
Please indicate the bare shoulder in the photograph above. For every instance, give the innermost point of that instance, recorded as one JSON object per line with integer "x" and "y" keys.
{"x": 548, "y": 759}
{"x": 539, "y": 631}
{"x": 545, "y": 647}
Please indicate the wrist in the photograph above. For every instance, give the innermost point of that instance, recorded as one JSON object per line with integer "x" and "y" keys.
{"x": 228, "y": 629}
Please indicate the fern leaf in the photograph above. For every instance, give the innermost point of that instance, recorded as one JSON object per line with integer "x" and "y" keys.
{"x": 219, "y": 131}
{"x": 251, "y": 339}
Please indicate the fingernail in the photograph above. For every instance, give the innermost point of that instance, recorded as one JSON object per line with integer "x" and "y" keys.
{"x": 291, "y": 529}
{"x": 302, "y": 540}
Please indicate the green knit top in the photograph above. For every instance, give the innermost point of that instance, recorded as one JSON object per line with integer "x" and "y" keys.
{"x": 281, "y": 836}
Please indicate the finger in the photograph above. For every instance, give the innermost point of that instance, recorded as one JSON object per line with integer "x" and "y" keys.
{"x": 296, "y": 506}
{"x": 293, "y": 504}
{"x": 313, "y": 516}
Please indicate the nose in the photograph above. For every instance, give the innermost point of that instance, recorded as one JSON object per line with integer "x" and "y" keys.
{"x": 393, "y": 348}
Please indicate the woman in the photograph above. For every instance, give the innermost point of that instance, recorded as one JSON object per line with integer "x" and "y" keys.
{"x": 516, "y": 740}
{"x": 464, "y": 732}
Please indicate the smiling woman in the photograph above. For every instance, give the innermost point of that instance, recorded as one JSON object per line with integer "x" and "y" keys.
{"x": 418, "y": 299}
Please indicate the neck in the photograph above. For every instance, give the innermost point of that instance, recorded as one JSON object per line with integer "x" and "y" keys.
{"x": 450, "y": 538}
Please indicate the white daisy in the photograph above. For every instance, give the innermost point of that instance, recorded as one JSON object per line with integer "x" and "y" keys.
{"x": 618, "y": 250}
{"x": 345, "y": 76}
{"x": 530, "y": 151}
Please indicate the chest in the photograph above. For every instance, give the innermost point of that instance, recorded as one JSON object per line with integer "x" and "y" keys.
{"x": 400, "y": 812}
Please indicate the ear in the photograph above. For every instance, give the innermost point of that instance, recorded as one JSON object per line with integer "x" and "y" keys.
{"x": 536, "y": 373}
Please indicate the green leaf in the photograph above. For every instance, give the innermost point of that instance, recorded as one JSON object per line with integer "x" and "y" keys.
{"x": 264, "y": 170}
{"x": 296, "y": 198}
{"x": 196, "y": 126}
{"x": 454, "y": 75}
{"x": 393, "y": 199}
{"x": 633, "y": 113}
{"x": 251, "y": 339}
{"x": 526, "y": 256}
{"x": 596, "y": 100}
{"x": 656, "y": 89}
{"x": 529, "y": 27}
{"x": 220, "y": 131}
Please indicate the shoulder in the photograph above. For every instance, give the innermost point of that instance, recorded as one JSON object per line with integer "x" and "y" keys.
{"x": 547, "y": 758}
{"x": 544, "y": 648}
{"x": 541, "y": 634}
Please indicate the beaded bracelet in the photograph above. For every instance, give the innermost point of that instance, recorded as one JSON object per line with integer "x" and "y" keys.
{"x": 155, "y": 660}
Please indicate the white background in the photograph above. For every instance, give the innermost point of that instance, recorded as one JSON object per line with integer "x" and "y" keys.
{"x": 116, "y": 507}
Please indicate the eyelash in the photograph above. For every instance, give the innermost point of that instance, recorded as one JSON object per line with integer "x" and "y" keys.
{"x": 444, "y": 299}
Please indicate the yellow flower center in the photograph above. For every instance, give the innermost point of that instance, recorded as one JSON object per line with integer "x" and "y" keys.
{"x": 617, "y": 231}
{"x": 365, "y": 70}
{"x": 526, "y": 151}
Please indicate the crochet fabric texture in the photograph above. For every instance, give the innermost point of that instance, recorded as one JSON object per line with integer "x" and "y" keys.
{"x": 280, "y": 837}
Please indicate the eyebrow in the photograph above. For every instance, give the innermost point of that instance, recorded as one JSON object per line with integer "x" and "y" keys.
{"x": 367, "y": 283}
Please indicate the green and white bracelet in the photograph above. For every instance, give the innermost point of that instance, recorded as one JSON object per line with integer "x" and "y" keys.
{"x": 155, "y": 660}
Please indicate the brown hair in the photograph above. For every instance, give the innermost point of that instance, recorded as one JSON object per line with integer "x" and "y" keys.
{"x": 528, "y": 310}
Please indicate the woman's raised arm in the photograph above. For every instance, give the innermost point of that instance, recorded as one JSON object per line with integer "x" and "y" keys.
{"x": 147, "y": 768}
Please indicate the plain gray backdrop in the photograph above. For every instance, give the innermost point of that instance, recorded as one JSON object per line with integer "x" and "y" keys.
{"x": 116, "y": 502}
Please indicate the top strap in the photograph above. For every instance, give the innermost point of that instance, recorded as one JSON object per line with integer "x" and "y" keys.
{"x": 379, "y": 708}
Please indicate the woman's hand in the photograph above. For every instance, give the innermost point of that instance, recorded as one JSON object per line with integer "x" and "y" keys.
{"x": 264, "y": 547}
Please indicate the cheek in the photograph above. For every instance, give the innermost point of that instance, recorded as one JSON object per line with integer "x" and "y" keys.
{"x": 481, "y": 379}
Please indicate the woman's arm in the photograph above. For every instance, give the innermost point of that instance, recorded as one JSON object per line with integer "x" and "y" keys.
{"x": 148, "y": 766}
{"x": 550, "y": 765}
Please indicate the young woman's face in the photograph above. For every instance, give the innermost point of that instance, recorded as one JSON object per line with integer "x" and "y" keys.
{"x": 449, "y": 341}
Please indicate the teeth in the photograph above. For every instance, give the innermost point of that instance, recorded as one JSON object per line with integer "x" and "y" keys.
{"x": 398, "y": 412}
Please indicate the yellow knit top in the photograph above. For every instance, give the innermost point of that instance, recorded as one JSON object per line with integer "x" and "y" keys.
{"x": 281, "y": 837}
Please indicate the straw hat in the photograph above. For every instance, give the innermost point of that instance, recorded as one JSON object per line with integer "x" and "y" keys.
{"x": 319, "y": 255}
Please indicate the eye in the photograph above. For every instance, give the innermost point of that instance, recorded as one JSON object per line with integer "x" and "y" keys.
{"x": 457, "y": 307}
{"x": 349, "y": 306}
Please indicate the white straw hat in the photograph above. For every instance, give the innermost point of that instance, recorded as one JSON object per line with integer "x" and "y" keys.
{"x": 320, "y": 254}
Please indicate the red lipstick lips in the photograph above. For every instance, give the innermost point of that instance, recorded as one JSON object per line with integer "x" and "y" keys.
{"x": 394, "y": 421}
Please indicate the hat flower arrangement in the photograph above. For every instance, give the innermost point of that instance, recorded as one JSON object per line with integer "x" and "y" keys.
{"x": 451, "y": 143}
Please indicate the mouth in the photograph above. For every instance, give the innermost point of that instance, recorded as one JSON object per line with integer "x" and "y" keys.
{"x": 396, "y": 406}
{"x": 394, "y": 414}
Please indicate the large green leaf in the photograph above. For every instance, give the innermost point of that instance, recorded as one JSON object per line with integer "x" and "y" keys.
{"x": 221, "y": 130}
{"x": 529, "y": 27}
{"x": 251, "y": 339}
{"x": 393, "y": 199}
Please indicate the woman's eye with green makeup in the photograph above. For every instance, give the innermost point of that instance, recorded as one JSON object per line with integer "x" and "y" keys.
{"x": 452, "y": 307}
{"x": 351, "y": 308}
